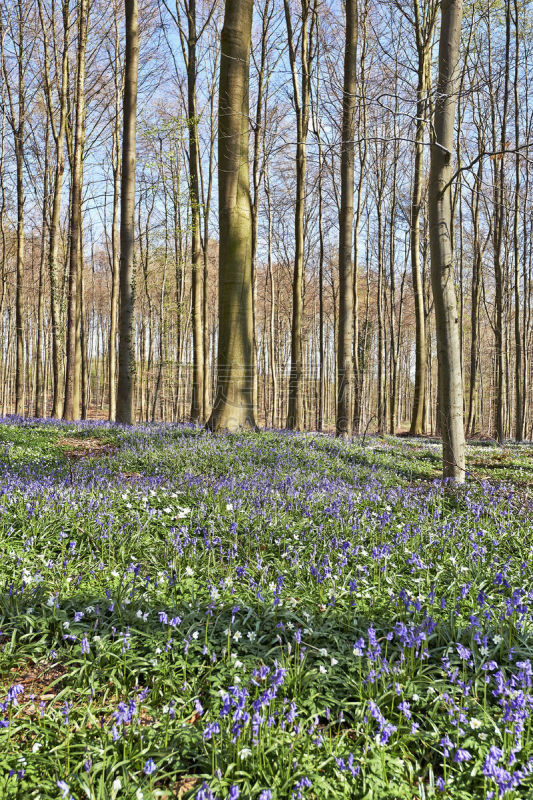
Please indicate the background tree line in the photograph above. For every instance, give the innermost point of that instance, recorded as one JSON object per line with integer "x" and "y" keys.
{"x": 343, "y": 325}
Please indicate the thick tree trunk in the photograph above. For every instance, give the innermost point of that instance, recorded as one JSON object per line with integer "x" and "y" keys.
{"x": 197, "y": 400}
{"x": 72, "y": 404}
{"x": 345, "y": 332}
{"x": 39, "y": 372}
{"x": 474, "y": 307}
{"x": 126, "y": 350}
{"x": 440, "y": 224}
{"x": 55, "y": 216}
{"x": 295, "y": 419}
{"x": 419, "y": 398}
{"x": 519, "y": 399}
{"x": 115, "y": 235}
{"x": 233, "y": 406}
{"x": 19, "y": 307}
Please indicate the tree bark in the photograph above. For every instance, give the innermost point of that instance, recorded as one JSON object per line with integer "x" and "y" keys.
{"x": 197, "y": 400}
{"x": 126, "y": 350}
{"x": 440, "y": 224}
{"x": 295, "y": 420}
{"x": 72, "y": 403}
{"x": 233, "y": 406}
{"x": 346, "y": 294}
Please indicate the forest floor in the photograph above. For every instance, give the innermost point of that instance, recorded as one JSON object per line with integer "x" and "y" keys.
{"x": 269, "y": 616}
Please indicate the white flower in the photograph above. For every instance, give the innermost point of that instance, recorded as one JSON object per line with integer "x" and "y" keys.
{"x": 167, "y": 510}
{"x": 484, "y": 650}
{"x": 497, "y": 639}
{"x": 322, "y": 669}
{"x": 195, "y": 635}
{"x": 323, "y": 652}
{"x": 36, "y": 747}
{"x": 115, "y": 789}
{"x": 157, "y": 651}
{"x": 139, "y": 795}
{"x": 189, "y": 571}
{"x": 50, "y": 602}
{"x": 229, "y": 506}
{"x": 66, "y": 624}
{"x": 245, "y": 752}
{"x": 251, "y": 635}
{"x": 236, "y": 679}
{"x": 333, "y": 662}
{"x": 475, "y": 724}
{"x": 238, "y": 664}
{"x": 415, "y": 698}
{"x": 236, "y": 636}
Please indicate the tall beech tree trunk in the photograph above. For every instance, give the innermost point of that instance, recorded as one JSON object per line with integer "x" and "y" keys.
{"x": 115, "y": 230}
{"x": 233, "y": 406}
{"x": 197, "y": 400}
{"x": 477, "y": 263}
{"x": 419, "y": 397}
{"x": 126, "y": 349}
{"x": 346, "y": 294}
{"x": 58, "y": 133}
{"x": 17, "y": 120}
{"x": 301, "y": 93}
{"x": 72, "y": 404}
{"x": 519, "y": 399}
{"x": 440, "y": 224}
{"x": 40, "y": 406}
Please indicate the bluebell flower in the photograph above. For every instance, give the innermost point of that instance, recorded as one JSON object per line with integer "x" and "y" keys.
{"x": 14, "y": 692}
{"x": 64, "y": 788}
{"x": 462, "y": 755}
{"x": 149, "y": 767}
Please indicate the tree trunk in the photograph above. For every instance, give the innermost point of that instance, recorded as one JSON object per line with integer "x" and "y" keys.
{"x": 39, "y": 372}
{"x": 72, "y": 404}
{"x": 55, "y": 216}
{"x": 233, "y": 406}
{"x": 295, "y": 420}
{"x": 197, "y": 409}
{"x": 519, "y": 401}
{"x": 115, "y": 234}
{"x": 440, "y": 223}
{"x": 419, "y": 398}
{"x": 126, "y": 350}
{"x": 345, "y": 331}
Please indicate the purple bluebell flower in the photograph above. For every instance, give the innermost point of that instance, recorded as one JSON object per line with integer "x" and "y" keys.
{"x": 462, "y": 755}
{"x": 149, "y": 767}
